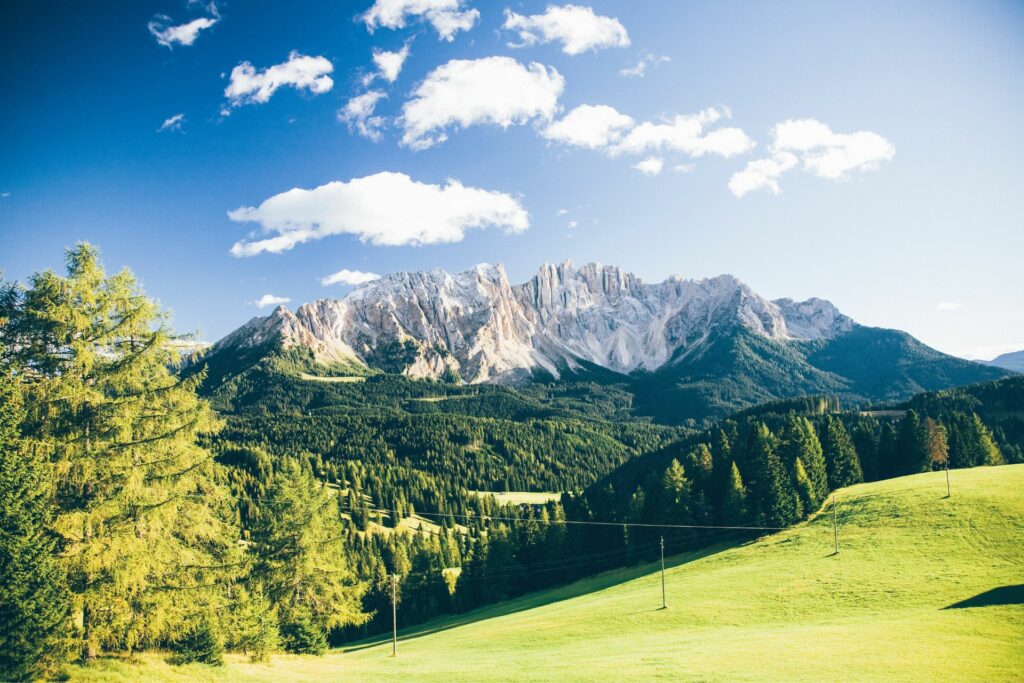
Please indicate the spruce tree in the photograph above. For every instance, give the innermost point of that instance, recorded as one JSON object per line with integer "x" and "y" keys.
{"x": 800, "y": 443}
{"x": 35, "y": 606}
{"x": 912, "y": 449}
{"x": 775, "y": 498}
{"x": 141, "y": 519}
{"x": 842, "y": 464}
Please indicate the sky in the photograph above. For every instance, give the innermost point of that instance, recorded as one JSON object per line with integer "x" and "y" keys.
{"x": 239, "y": 155}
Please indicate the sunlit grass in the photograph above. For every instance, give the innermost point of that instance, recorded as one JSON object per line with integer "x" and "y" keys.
{"x": 782, "y": 608}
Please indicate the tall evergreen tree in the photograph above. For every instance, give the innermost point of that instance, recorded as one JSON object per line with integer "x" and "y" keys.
{"x": 775, "y": 498}
{"x": 300, "y": 560}
{"x": 734, "y": 504}
{"x": 35, "y": 605}
{"x": 866, "y": 440}
{"x": 141, "y": 518}
{"x": 842, "y": 464}
{"x": 800, "y": 443}
{"x": 913, "y": 454}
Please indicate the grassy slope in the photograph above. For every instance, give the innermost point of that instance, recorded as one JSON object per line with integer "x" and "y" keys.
{"x": 782, "y": 608}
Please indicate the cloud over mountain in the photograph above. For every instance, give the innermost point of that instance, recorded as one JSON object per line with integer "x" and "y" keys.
{"x": 388, "y": 209}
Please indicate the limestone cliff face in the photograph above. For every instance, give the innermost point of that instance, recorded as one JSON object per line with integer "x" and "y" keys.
{"x": 477, "y": 324}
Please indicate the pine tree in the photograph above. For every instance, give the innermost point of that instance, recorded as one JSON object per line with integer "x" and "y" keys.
{"x": 141, "y": 518}
{"x": 734, "y": 505}
{"x": 842, "y": 464}
{"x": 300, "y": 560}
{"x": 776, "y": 500}
{"x": 35, "y": 605}
{"x": 866, "y": 441}
{"x": 808, "y": 497}
{"x": 800, "y": 443}
{"x": 912, "y": 446}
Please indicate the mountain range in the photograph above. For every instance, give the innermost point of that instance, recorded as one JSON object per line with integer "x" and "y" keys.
{"x": 1008, "y": 361}
{"x": 685, "y": 349}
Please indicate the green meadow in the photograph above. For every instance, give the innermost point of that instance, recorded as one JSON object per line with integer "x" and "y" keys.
{"x": 924, "y": 588}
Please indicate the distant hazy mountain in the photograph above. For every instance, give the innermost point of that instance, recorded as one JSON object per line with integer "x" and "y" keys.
{"x": 1008, "y": 361}
{"x": 686, "y": 348}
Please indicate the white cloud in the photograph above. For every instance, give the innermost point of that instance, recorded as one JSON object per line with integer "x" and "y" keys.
{"x": 572, "y": 224}
{"x": 832, "y": 155}
{"x": 270, "y": 300}
{"x": 4, "y": 195}
{"x": 650, "y": 166}
{"x": 590, "y": 126}
{"x": 683, "y": 168}
{"x": 640, "y": 69}
{"x": 493, "y": 90}
{"x": 173, "y": 123}
{"x": 348, "y": 277}
{"x": 762, "y": 173}
{"x": 685, "y": 133}
{"x": 577, "y": 28}
{"x": 948, "y": 306}
{"x": 825, "y": 153}
{"x": 358, "y": 114}
{"x": 385, "y": 209}
{"x": 448, "y": 17}
{"x": 389, "y": 64}
{"x": 301, "y": 72}
{"x": 182, "y": 34}
{"x": 561, "y": 212}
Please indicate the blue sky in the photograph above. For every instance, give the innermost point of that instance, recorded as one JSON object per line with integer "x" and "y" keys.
{"x": 893, "y": 131}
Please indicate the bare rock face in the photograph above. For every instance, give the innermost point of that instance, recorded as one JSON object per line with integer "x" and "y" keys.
{"x": 478, "y": 325}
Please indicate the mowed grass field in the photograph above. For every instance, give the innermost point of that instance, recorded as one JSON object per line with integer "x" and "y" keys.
{"x": 780, "y": 608}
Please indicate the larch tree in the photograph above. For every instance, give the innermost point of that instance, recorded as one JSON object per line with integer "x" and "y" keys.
{"x": 146, "y": 539}
{"x": 300, "y": 561}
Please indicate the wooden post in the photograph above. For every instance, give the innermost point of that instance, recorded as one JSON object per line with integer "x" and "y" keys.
{"x": 664, "y": 605}
{"x": 835, "y": 523}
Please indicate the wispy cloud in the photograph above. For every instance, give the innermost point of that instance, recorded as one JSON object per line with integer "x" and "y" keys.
{"x": 386, "y": 209}
{"x": 358, "y": 114}
{"x": 577, "y": 28}
{"x": 348, "y": 277}
{"x": 249, "y": 86}
{"x": 181, "y": 34}
{"x": 640, "y": 68}
{"x": 173, "y": 123}
{"x": 448, "y": 17}
{"x": 270, "y": 300}
{"x": 948, "y": 306}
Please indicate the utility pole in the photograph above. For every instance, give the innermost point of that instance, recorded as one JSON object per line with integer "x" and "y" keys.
{"x": 663, "y": 604}
{"x": 394, "y": 615}
{"x": 947, "y": 477}
{"x": 835, "y": 524}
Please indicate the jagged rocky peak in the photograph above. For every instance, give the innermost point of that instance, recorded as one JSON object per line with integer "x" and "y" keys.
{"x": 477, "y": 324}
{"x": 813, "y": 319}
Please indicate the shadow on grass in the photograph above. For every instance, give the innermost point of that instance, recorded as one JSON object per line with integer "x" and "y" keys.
{"x": 547, "y": 596}
{"x": 1004, "y": 595}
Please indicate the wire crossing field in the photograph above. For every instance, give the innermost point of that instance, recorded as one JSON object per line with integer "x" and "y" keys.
{"x": 924, "y": 588}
